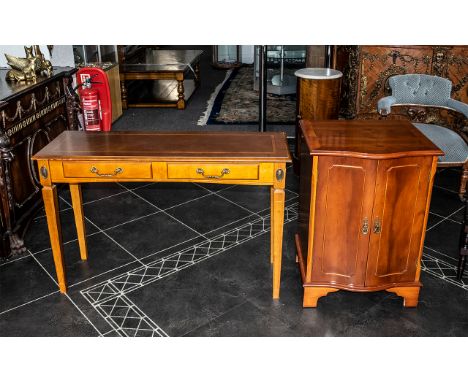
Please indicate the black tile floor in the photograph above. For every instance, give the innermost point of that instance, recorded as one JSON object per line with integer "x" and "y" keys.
{"x": 193, "y": 260}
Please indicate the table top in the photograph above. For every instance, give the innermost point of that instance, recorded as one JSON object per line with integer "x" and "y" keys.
{"x": 167, "y": 146}
{"x": 163, "y": 61}
{"x": 376, "y": 139}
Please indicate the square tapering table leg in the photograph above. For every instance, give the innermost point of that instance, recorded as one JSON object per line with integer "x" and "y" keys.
{"x": 75, "y": 191}
{"x": 277, "y": 212}
{"x": 49, "y": 194}
{"x": 272, "y": 224}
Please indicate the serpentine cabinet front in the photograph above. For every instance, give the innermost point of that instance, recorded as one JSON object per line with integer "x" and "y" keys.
{"x": 362, "y": 223}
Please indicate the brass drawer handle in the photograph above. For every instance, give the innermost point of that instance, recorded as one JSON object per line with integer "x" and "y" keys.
{"x": 377, "y": 226}
{"x": 224, "y": 171}
{"x": 365, "y": 226}
{"x": 117, "y": 171}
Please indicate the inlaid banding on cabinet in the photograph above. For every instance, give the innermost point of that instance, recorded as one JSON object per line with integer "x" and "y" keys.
{"x": 400, "y": 202}
{"x": 352, "y": 179}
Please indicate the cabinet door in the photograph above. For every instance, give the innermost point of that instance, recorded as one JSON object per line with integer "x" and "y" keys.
{"x": 402, "y": 188}
{"x": 345, "y": 192}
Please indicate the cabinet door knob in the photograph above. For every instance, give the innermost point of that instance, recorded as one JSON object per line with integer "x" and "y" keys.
{"x": 365, "y": 226}
{"x": 377, "y": 226}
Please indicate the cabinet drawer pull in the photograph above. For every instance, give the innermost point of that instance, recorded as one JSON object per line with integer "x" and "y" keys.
{"x": 365, "y": 226}
{"x": 224, "y": 171}
{"x": 377, "y": 226}
{"x": 117, "y": 171}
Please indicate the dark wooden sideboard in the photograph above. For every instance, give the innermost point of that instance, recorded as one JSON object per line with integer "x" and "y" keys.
{"x": 366, "y": 69}
{"x": 31, "y": 115}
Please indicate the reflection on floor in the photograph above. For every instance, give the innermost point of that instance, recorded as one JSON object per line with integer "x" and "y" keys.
{"x": 193, "y": 260}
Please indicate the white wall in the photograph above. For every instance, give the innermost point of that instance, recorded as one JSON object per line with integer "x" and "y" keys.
{"x": 62, "y": 55}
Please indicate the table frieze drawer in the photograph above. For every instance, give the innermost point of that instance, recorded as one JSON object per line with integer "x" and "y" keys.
{"x": 212, "y": 171}
{"x": 120, "y": 170}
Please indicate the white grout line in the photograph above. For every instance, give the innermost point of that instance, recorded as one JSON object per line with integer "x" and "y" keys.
{"x": 231, "y": 223}
{"x": 29, "y": 302}
{"x": 109, "y": 237}
{"x": 212, "y": 318}
{"x": 214, "y": 192}
{"x": 172, "y": 246}
{"x": 445, "y": 189}
{"x": 141, "y": 197}
{"x": 67, "y": 296}
{"x": 217, "y": 193}
{"x": 122, "y": 293}
{"x": 131, "y": 262}
{"x": 136, "y": 188}
{"x": 291, "y": 191}
{"x": 181, "y": 222}
{"x": 14, "y": 260}
{"x": 85, "y": 203}
{"x": 103, "y": 273}
{"x": 130, "y": 221}
{"x": 175, "y": 205}
{"x": 112, "y": 239}
{"x": 238, "y": 205}
{"x": 446, "y": 218}
{"x": 440, "y": 253}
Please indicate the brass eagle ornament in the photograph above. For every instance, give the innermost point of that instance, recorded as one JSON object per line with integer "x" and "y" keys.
{"x": 27, "y": 69}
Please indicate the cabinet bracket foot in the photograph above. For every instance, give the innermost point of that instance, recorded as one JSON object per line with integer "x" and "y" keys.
{"x": 410, "y": 295}
{"x": 312, "y": 294}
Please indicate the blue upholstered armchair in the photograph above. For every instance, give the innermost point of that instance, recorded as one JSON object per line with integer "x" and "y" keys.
{"x": 425, "y": 100}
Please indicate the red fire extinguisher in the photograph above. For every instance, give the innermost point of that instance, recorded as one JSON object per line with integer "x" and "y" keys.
{"x": 91, "y": 107}
{"x": 94, "y": 91}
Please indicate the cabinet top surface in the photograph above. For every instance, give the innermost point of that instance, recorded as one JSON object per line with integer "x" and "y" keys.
{"x": 366, "y": 139}
{"x": 11, "y": 89}
{"x": 160, "y": 146}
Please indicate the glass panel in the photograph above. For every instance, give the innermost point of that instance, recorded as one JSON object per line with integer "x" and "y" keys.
{"x": 282, "y": 62}
{"x": 92, "y": 53}
{"x": 164, "y": 60}
{"x": 227, "y": 54}
{"x": 108, "y": 53}
{"x": 78, "y": 54}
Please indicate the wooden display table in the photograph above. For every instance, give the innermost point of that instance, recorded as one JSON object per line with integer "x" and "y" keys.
{"x": 232, "y": 158}
{"x": 365, "y": 190}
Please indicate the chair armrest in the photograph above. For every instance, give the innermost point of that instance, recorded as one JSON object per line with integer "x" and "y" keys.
{"x": 384, "y": 105}
{"x": 458, "y": 106}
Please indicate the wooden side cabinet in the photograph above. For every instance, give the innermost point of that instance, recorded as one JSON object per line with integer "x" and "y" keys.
{"x": 365, "y": 190}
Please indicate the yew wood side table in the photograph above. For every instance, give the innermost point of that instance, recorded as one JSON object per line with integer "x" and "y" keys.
{"x": 76, "y": 157}
{"x": 364, "y": 196}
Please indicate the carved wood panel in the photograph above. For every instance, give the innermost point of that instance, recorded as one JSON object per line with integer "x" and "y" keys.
{"x": 366, "y": 71}
{"x": 380, "y": 63}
